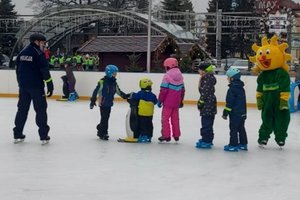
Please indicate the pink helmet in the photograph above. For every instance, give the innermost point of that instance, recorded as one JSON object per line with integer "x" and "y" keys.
{"x": 171, "y": 63}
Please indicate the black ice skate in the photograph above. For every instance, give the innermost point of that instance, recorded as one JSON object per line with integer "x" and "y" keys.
{"x": 102, "y": 137}
{"x": 20, "y": 139}
{"x": 46, "y": 141}
{"x": 262, "y": 143}
{"x": 281, "y": 144}
{"x": 161, "y": 139}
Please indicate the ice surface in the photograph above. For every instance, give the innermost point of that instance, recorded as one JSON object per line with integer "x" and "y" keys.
{"x": 76, "y": 165}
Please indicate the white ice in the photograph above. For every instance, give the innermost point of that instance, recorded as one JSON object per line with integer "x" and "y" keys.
{"x": 78, "y": 166}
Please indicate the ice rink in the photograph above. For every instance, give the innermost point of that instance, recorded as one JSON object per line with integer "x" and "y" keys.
{"x": 78, "y": 166}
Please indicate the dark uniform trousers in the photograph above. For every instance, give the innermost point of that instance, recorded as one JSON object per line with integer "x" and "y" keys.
{"x": 103, "y": 126}
{"x": 40, "y": 106}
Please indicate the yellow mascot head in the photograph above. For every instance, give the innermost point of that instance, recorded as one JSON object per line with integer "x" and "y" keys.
{"x": 270, "y": 55}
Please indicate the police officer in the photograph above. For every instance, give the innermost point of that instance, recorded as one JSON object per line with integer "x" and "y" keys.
{"x": 32, "y": 73}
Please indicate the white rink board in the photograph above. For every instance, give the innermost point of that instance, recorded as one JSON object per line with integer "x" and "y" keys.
{"x": 129, "y": 82}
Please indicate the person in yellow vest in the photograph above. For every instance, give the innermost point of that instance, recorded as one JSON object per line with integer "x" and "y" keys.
{"x": 53, "y": 61}
{"x": 78, "y": 60}
{"x": 90, "y": 63}
{"x": 85, "y": 61}
{"x": 61, "y": 61}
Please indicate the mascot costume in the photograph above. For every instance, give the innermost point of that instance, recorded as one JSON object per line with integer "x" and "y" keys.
{"x": 273, "y": 89}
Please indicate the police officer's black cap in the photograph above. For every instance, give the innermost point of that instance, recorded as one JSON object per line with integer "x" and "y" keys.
{"x": 37, "y": 36}
{"x": 204, "y": 66}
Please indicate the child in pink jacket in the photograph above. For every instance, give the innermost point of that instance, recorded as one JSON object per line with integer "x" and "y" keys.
{"x": 170, "y": 98}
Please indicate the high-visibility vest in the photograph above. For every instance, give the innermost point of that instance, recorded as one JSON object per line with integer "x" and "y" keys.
{"x": 61, "y": 60}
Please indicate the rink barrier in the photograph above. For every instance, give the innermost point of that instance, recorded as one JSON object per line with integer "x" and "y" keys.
{"x": 129, "y": 82}
{"x": 118, "y": 99}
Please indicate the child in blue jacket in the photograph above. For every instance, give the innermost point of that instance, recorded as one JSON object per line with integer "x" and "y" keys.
{"x": 105, "y": 90}
{"x": 237, "y": 111}
{"x": 146, "y": 101}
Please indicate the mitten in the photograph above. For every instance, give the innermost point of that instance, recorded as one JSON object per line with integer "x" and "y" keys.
{"x": 259, "y": 103}
{"x": 159, "y": 104}
{"x": 181, "y": 104}
{"x": 200, "y": 104}
{"x": 225, "y": 114}
{"x": 92, "y": 103}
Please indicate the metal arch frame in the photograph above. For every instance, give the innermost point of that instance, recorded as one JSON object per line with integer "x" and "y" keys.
{"x": 121, "y": 14}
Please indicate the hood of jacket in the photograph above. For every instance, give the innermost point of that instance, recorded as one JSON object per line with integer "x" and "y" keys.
{"x": 174, "y": 76}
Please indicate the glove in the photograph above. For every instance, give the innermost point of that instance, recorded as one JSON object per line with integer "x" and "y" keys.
{"x": 50, "y": 88}
{"x": 159, "y": 104}
{"x": 124, "y": 95}
{"x": 283, "y": 105}
{"x": 93, "y": 103}
{"x": 200, "y": 104}
{"x": 181, "y": 104}
{"x": 225, "y": 114}
{"x": 259, "y": 103}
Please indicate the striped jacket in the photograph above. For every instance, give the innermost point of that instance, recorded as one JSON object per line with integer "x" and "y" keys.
{"x": 172, "y": 89}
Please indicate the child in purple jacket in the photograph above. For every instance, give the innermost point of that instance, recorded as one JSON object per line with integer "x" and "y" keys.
{"x": 170, "y": 98}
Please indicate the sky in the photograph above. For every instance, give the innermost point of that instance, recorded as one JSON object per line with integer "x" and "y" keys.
{"x": 23, "y": 9}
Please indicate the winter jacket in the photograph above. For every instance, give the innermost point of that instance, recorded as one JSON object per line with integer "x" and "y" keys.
{"x": 172, "y": 89}
{"x": 106, "y": 89}
{"x": 32, "y": 67}
{"x": 147, "y": 100}
{"x": 207, "y": 95}
{"x": 236, "y": 99}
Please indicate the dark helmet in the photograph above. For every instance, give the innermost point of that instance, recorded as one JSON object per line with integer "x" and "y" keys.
{"x": 37, "y": 36}
{"x": 203, "y": 66}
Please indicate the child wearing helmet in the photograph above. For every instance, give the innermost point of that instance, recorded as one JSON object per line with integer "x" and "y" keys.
{"x": 236, "y": 109}
{"x": 207, "y": 105}
{"x": 170, "y": 98}
{"x": 105, "y": 90}
{"x": 145, "y": 109}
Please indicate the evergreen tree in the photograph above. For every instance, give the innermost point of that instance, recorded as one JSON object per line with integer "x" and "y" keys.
{"x": 178, "y": 6}
{"x": 142, "y": 4}
{"x": 7, "y": 33}
{"x": 237, "y": 41}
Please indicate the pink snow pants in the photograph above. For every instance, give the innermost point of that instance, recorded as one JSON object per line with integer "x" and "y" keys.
{"x": 170, "y": 122}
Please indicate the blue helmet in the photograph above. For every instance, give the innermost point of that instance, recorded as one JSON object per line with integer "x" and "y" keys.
{"x": 110, "y": 70}
{"x": 233, "y": 73}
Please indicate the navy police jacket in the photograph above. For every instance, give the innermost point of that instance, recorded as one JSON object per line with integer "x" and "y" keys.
{"x": 236, "y": 99}
{"x": 32, "y": 67}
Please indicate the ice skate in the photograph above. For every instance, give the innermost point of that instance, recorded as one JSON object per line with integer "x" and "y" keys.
{"x": 231, "y": 148}
{"x": 243, "y": 147}
{"x": 19, "y": 140}
{"x": 103, "y": 137}
{"x": 176, "y": 139}
{"x": 281, "y": 144}
{"x": 162, "y": 139}
{"x": 46, "y": 141}
{"x": 73, "y": 96}
{"x": 262, "y": 143}
{"x": 144, "y": 139}
{"x": 203, "y": 145}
